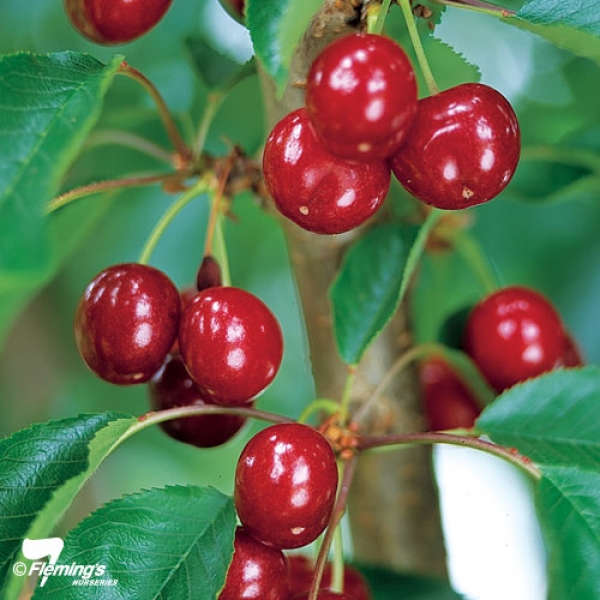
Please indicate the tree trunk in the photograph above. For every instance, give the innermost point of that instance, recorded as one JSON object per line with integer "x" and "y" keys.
{"x": 393, "y": 503}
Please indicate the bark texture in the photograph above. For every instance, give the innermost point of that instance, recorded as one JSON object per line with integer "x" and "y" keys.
{"x": 393, "y": 504}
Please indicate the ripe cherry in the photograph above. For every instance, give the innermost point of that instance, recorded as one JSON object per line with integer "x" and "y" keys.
{"x": 231, "y": 343}
{"x": 316, "y": 190}
{"x": 448, "y": 402}
{"x": 209, "y": 274}
{"x": 115, "y": 21}
{"x": 256, "y": 572}
{"x": 571, "y": 354}
{"x": 302, "y": 572}
{"x": 514, "y": 334}
{"x": 285, "y": 485}
{"x": 463, "y": 148}
{"x": 172, "y": 387}
{"x": 126, "y": 322}
{"x": 361, "y": 96}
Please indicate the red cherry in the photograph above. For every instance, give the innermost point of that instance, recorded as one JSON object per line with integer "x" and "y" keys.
{"x": 571, "y": 354}
{"x": 115, "y": 21}
{"x": 126, "y": 322}
{"x": 231, "y": 343}
{"x": 361, "y": 96}
{"x": 285, "y": 485}
{"x": 514, "y": 334}
{"x": 448, "y": 402}
{"x": 302, "y": 571}
{"x": 172, "y": 387}
{"x": 314, "y": 189}
{"x": 463, "y": 148}
{"x": 256, "y": 572}
{"x": 209, "y": 274}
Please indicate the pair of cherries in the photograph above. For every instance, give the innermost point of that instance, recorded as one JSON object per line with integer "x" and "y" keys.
{"x": 327, "y": 166}
{"x": 221, "y": 345}
{"x": 512, "y": 335}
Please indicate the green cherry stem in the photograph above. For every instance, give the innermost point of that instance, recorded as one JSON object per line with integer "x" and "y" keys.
{"x": 102, "y": 186}
{"x": 478, "y": 6}
{"x": 510, "y": 455}
{"x": 320, "y": 404}
{"x": 347, "y": 394}
{"x": 129, "y": 140}
{"x": 418, "y": 46}
{"x": 200, "y": 187}
{"x": 213, "y": 102}
{"x": 339, "y": 508}
{"x": 337, "y": 578}
{"x": 165, "y": 114}
{"x": 376, "y": 16}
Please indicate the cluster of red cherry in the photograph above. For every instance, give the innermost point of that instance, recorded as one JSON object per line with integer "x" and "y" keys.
{"x": 210, "y": 345}
{"x": 512, "y": 335}
{"x": 327, "y": 165}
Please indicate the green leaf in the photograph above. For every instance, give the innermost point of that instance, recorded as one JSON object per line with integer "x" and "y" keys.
{"x": 568, "y": 502}
{"x": 366, "y": 291}
{"x": 173, "y": 543}
{"x": 276, "y": 27}
{"x": 548, "y": 418}
{"x": 389, "y": 585}
{"x": 573, "y": 26}
{"x": 49, "y": 103}
{"x": 217, "y": 71}
{"x": 41, "y": 470}
{"x": 372, "y": 282}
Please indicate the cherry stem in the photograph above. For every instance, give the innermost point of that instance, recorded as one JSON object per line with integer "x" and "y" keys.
{"x": 102, "y": 186}
{"x": 472, "y": 253}
{"x": 200, "y": 187}
{"x": 169, "y": 123}
{"x": 376, "y": 16}
{"x": 479, "y": 6}
{"x": 405, "y": 439}
{"x": 337, "y": 576}
{"x": 213, "y": 102}
{"x": 418, "y": 46}
{"x": 339, "y": 508}
{"x": 129, "y": 140}
{"x": 320, "y": 404}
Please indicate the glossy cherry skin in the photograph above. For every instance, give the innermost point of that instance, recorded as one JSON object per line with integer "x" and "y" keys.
{"x": 301, "y": 574}
{"x": 256, "y": 572}
{"x": 361, "y": 96}
{"x": 172, "y": 387}
{"x": 448, "y": 402}
{"x": 115, "y": 21}
{"x": 463, "y": 148}
{"x": 514, "y": 334}
{"x": 285, "y": 485}
{"x": 314, "y": 189}
{"x": 231, "y": 343}
{"x": 126, "y": 322}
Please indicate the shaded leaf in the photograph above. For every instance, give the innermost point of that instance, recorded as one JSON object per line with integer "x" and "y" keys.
{"x": 217, "y": 71}
{"x": 548, "y": 418}
{"x": 276, "y": 27}
{"x": 568, "y": 502}
{"x": 173, "y": 543}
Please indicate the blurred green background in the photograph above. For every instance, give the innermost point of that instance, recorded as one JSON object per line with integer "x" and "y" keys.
{"x": 544, "y": 231}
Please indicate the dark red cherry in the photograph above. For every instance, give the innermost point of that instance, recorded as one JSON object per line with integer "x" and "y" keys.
{"x": 514, "y": 334}
{"x": 316, "y": 190}
{"x": 256, "y": 572}
{"x": 448, "y": 403}
{"x": 463, "y": 148}
{"x": 302, "y": 571}
{"x": 285, "y": 485}
{"x": 209, "y": 274}
{"x": 571, "y": 354}
{"x": 172, "y": 387}
{"x": 361, "y": 96}
{"x": 231, "y": 343}
{"x": 126, "y": 322}
{"x": 115, "y": 21}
